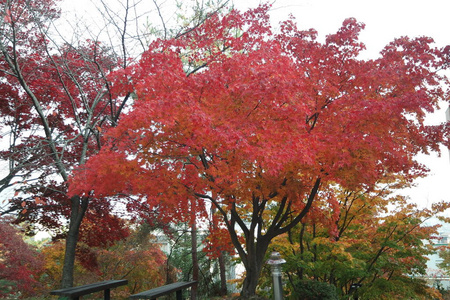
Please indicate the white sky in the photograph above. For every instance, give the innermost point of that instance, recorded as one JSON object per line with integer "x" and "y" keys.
{"x": 385, "y": 20}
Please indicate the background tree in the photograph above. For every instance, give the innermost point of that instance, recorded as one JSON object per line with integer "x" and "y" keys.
{"x": 444, "y": 265}
{"x": 60, "y": 103}
{"x": 136, "y": 258}
{"x": 372, "y": 238}
{"x": 268, "y": 121}
{"x": 210, "y": 280}
{"x": 218, "y": 246}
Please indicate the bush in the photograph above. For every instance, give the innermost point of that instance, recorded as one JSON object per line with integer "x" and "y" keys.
{"x": 314, "y": 290}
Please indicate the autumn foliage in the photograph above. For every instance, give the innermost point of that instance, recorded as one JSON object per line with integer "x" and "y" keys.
{"x": 379, "y": 241}
{"x": 259, "y": 123}
{"x": 19, "y": 263}
{"x": 137, "y": 258}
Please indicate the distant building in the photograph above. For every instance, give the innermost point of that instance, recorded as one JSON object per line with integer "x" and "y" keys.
{"x": 435, "y": 275}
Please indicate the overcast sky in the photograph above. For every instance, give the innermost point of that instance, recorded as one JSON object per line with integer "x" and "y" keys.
{"x": 384, "y": 19}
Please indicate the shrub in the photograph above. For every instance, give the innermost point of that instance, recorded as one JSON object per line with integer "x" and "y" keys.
{"x": 314, "y": 290}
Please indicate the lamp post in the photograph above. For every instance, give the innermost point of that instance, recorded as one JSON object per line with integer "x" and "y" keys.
{"x": 275, "y": 263}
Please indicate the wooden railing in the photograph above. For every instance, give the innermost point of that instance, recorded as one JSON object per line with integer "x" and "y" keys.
{"x": 176, "y": 287}
{"x": 76, "y": 292}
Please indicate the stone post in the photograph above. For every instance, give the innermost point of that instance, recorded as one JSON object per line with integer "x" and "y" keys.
{"x": 275, "y": 263}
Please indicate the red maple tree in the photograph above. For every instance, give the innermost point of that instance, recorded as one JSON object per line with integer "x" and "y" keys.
{"x": 256, "y": 122}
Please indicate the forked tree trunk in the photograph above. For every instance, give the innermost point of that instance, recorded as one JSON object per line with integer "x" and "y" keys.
{"x": 255, "y": 262}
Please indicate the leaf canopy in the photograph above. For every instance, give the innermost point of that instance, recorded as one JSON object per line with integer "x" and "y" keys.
{"x": 265, "y": 113}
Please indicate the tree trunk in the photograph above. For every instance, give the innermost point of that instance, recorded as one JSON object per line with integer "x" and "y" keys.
{"x": 302, "y": 251}
{"x": 222, "y": 271}
{"x": 250, "y": 283}
{"x": 255, "y": 262}
{"x": 223, "y": 276}
{"x": 195, "y": 268}
{"x": 79, "y": 207}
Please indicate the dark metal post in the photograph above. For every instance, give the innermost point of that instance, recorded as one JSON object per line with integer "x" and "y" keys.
{"x": 275, "y": 263}
{"x": 107, "y": 294}
{"x": 179, "y": 295}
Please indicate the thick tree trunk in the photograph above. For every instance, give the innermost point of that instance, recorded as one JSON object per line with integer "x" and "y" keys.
{"x": 255, "y": 263}
{"x": 250, "y": 283}
{"x": 79, "y": 207}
